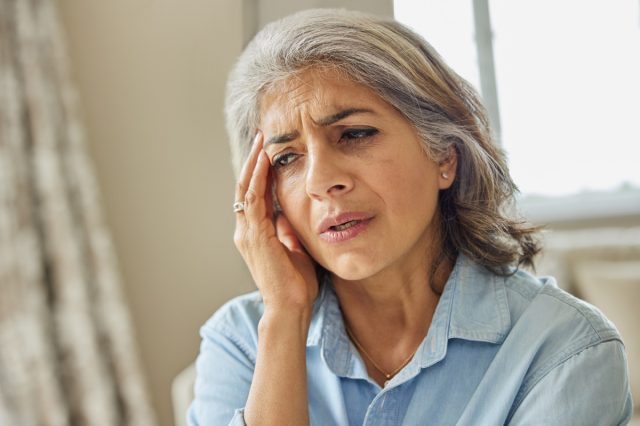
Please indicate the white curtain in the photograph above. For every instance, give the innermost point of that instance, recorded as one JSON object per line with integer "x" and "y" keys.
{"x": 67, "y": 350}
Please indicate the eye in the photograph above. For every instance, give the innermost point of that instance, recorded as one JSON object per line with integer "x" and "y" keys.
{"x": 282, "y": 160}
{"x": 354, "y": 134}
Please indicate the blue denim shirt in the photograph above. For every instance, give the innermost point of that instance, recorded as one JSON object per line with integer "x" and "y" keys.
{"x": 500, "y": 350}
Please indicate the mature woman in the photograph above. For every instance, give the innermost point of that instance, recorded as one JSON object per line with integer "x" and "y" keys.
{"x": 373, "y": 214}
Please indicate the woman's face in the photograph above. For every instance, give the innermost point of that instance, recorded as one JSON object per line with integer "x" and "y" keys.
{"x": 351, "y": 175}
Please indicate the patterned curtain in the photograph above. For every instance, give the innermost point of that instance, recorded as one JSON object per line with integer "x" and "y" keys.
{"x": 67, "y": 351}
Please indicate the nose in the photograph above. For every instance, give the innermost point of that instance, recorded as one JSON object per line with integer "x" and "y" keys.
{"x": 328, "y": 174}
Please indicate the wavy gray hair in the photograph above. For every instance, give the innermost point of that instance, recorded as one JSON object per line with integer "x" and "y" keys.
{"x": 405, "y": 71}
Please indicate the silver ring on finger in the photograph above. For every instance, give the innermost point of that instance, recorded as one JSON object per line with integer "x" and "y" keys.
{"x": 238, "y": 207}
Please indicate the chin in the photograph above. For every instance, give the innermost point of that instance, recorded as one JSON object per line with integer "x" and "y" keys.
{"x": 352, "y": 269}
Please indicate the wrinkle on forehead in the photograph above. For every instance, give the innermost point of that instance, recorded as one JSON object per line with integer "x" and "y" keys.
{"x": 301, "y": 93}
{"x": 293, "y": 93}
{"x": 297, "y": 81}
{"x": 298, "y": 93}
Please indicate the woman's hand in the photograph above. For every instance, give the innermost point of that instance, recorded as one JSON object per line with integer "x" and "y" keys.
{"x": 279, "y": 265}
{"x": 286, "y": 278}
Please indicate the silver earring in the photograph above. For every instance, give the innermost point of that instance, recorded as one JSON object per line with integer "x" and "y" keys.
{"x": 444, "y": 175}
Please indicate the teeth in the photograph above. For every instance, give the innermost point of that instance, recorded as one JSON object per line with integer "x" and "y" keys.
{"x": 344, "y": 225}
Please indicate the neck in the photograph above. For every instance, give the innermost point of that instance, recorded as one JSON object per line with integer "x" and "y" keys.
{"x": 390, "y": 313}
{"x": 399, "y": 298}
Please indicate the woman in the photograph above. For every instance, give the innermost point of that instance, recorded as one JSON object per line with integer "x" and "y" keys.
{"x": 372, "y": 214}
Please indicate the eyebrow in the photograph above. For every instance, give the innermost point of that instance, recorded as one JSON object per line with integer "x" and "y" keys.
{"x": 326, "y": 121}
{"x": 334, "y": 118}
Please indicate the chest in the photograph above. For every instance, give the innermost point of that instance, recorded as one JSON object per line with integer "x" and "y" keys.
{"x": 445, "y": 393}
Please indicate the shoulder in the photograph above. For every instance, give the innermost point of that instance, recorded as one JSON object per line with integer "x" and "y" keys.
{"x": 227, "y": 358}
{"x": 564, "y": 343}
{"x": 236, "y": 321}
{"x": 540, "y": 305}
{"x": 561, "y": 338}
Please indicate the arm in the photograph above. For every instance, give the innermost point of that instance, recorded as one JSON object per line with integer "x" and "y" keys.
{"x": 229, "y": 366}
{"x": 589, "y": 388}
{"x": 286, "y": 278}
{"x": 278, "y": 393}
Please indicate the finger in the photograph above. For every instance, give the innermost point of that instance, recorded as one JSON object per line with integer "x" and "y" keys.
{"x": 255, "y": 198}
{"x": 287, "y": 235}
{"x": 270, "y": 194}
{"x": 249, "y": 166}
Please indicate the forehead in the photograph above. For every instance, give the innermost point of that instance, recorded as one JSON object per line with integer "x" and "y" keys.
{"x": 316, "y": 92}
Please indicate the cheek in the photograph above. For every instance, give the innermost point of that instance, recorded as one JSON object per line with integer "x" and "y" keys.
{"x": 294, "y": 206}
{"x": 287, "y": 189}
{"x": 410, "y": 187}
{"x": 388, "y": 174}
{"x": 291, "y": 195}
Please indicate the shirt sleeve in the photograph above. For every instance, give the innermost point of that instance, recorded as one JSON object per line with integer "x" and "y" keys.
{"x": 224, "y": 368}
{"x": 589, "y": 388}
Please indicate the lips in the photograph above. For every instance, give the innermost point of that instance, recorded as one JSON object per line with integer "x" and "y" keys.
{"x": 344, "y": 226}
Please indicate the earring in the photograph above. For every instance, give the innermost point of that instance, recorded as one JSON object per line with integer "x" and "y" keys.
{"x": 444, "y": 175}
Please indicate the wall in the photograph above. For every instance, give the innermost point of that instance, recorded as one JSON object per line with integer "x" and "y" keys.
{"x": 269, "y": 10}
{"x": 151, "y": 78}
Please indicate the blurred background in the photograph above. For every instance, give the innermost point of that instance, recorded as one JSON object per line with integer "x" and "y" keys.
{"x": 141, "y": 83}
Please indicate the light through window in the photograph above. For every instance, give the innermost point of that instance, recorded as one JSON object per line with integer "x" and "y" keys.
{"x": 568, "y": 78}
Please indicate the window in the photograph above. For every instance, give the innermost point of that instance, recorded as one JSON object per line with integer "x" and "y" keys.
{"x": 568, "y": 87}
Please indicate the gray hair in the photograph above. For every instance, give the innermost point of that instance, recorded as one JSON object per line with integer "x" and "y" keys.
{"x": 404, "y": 70}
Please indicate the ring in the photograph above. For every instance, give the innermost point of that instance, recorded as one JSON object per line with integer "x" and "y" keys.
{"x": 238, "y": 207}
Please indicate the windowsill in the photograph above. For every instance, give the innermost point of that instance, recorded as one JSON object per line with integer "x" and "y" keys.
{"x": 585, "y": 207}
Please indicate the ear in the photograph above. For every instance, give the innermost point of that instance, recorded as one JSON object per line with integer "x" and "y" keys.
{"x": 447, "y": 169}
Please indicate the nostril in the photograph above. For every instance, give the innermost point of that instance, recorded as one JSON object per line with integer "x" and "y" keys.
{"x": 339, "y": 187}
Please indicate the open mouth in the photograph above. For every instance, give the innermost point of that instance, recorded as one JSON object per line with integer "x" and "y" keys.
{"x": 346, "y": 230}
{"x": 345, "y": 225}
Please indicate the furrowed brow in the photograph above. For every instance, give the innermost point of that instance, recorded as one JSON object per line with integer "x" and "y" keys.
{"x": 341, "y": 115}
{"x": 326, "y": 121}
{"x": 287, "y": 137}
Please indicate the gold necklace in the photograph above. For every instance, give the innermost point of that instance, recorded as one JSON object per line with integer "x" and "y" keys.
{"x": 377, "y": 367}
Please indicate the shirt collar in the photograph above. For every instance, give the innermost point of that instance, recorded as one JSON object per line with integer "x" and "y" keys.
{"x": 473, "y": 306}
{"x": 479, "y": 309}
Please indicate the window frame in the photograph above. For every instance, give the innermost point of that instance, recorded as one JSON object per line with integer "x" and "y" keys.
{"x": 590, "y": 206}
